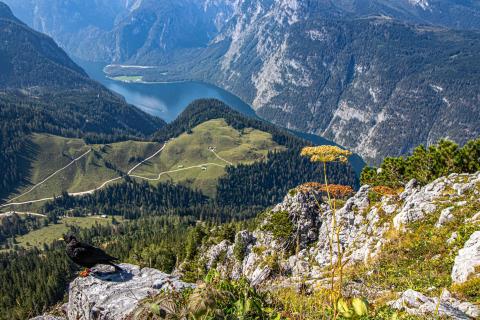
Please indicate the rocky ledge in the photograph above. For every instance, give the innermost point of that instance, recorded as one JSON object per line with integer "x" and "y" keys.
{"x": 291, "y": 246}
{"x": 114, "y": 296}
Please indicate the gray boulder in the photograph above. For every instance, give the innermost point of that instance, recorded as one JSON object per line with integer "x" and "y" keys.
{"x": 467, "y": 260}
{"x": 416, "y": 303}
{"x": 113, "y": 296}
{"x": 445, "y": 216}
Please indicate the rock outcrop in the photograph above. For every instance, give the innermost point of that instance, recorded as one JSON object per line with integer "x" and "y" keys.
{"x": 467, "y": 261}
{"x": 419, "y": 202}
{"x": 415, "y": 303}
{"x": 269, "y": 258}
{"x": 114, "y": 296}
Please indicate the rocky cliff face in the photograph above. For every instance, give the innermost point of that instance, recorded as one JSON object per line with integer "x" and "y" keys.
{"x": 114, "y": 296}
{"x": 376, "y": 86}
{"x": 378, "y": 235}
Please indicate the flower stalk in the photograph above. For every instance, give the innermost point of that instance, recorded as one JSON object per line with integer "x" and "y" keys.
{"x": 326, "y": 154}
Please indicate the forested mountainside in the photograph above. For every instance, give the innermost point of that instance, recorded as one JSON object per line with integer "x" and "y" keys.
{"x": 42, "y": 90}
{"x": 35, "y": 71}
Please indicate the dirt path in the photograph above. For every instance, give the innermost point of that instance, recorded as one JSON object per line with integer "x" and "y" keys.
{"x": 153, "y": 155}
{"x": 22, "y": 214}
{"x": 216, "y": 155}
{"x": 129, "y": 173}
{"x": 50, "y": 176}
{"x": 178, "y": 170}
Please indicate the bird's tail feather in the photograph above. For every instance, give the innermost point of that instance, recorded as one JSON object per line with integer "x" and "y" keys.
{"x": 117, "y": 268}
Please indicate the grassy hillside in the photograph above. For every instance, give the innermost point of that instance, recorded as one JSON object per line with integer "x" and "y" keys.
{"x": 51, "y": 153}
{"x": 192, "y": 149}
{"x": 53, "y": 232}
{"x": 80, "y": 167}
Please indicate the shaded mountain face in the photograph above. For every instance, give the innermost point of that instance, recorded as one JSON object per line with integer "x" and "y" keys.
{"x": 29, "y": 58}
{"x": 36, "y": 74}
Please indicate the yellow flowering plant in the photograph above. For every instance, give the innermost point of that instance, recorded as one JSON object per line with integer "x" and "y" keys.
{"x": 325, "y": 154}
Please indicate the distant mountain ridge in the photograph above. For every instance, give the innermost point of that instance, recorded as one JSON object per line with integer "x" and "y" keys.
{"x": 119, "y": 30}
{"x": 150, "y": 30}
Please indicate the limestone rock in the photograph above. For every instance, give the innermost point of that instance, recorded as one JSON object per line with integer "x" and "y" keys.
{"x": 113, "y": 296}
{"x": 475, "y": 218}
{"x": 215, "y": 251}
{"x": 416, "y": 303}
{"x": 360, "y": 236}
{"x": 303, "y": 212}
{"x": 419, "y": 202}
{"x": 467, "y": 259}
{"x": 445, "y": 216}
{"x": 48, "y": 317}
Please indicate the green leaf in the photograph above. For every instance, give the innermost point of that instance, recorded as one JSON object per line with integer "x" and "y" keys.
{"x": 343, "y": 308}
{"x": 155, "y": 309}
{"x": 360, "y": 307}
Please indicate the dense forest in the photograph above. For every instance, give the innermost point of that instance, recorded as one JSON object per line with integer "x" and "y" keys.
{"x": 129, "y": 199}
{"x": 266, "y": 183}
{"x": 425, "y": 164}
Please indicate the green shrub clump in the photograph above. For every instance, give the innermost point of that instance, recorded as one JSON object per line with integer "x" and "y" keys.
{"x": 279, "y": 224}
{"x": 425, "y": 164}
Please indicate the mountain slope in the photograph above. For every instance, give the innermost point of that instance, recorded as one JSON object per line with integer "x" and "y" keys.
{"x": 150, "y": 31}
{"x": 209, "y": 147}
{"x": 119, "y": 30}
{"x": 42, "y": 90}
{"x": 35, "y": 68}
{"x": 375, "y": 85}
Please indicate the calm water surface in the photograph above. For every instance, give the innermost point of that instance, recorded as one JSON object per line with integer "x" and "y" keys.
{"x": 165, "y": 100}
{"x": 168, "y": 100}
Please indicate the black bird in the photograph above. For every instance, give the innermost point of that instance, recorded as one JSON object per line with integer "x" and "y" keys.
{"x": 87, "y": 256}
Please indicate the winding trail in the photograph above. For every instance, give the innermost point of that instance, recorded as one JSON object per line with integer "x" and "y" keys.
{"x": 50, "y": 176}
{"x": 129, "y": 173}
{"x": 142, "y": 162}
{"x": 216, "y": 155}
{"x": 178, "y": 170}
{"x": 10, "y": 213}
